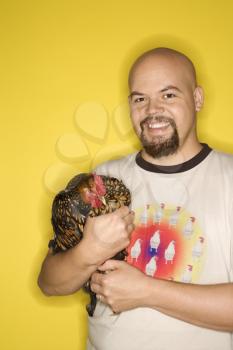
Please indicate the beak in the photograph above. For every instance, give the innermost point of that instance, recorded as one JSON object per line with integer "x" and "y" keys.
{"x": 103, "y": 200}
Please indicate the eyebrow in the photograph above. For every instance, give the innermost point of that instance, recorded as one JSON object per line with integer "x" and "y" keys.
{"x": 133, "y": 93}
{"x": 169, "y": 87}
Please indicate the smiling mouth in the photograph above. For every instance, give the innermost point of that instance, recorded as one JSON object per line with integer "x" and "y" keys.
{"x": 158, "y": 125}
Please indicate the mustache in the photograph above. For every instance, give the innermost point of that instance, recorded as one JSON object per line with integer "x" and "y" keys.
{"x": 158, "y": 119}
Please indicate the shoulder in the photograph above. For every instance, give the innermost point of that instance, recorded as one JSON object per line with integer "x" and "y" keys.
{"x": 118, "y": 167}
{"x": 220, "y": 165}
{"x": 224, "y": 160}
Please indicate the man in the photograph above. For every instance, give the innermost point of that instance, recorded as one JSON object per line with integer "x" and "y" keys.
{"x": 175, "y": 290}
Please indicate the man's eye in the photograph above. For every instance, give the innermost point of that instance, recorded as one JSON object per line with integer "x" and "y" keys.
{"x": 139, "y": 99}
{"x": 168, "y": 96}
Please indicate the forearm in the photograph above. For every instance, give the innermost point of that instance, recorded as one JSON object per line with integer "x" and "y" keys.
{"x": 66, "y": 272}
{"x": 103, "y": 237}
{"x": 209, "y": 306}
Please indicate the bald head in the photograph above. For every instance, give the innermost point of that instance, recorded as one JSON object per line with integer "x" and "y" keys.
{"x": 164, "y": 98}
{"x": 171, "y": 56}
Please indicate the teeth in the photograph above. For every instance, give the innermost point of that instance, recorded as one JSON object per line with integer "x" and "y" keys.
{"x": 157, "y": 125}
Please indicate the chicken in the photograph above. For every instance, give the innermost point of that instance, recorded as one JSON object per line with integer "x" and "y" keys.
{"x": 198, "y": 248}
{"x": 151, "y": 266}
{"x": 174, "y": 217}
{"x": 188, "y": 229}
{"x": 159, "y": 214}
{"x": 170, "y": 252}
{"x": 155, "y": 241}
{"x": 136, "y": 249}
{"x": 187, "y": 275}
{"x": 85, "y": 195}
{"x": 144, "y": 215}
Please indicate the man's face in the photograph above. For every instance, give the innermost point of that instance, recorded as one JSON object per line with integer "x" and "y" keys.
{"x": 163, "y": 105}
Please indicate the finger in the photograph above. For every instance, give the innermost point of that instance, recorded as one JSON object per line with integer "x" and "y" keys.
{"x": 97, "y": 278}
{"x": 101, "y": 298}
{"x": 122, "y": 211}
{"x": 110, "y": 265}
{"x": 130, "y": 228}
{"x": 96, "y": 288}
{"x": 129, "y": 219}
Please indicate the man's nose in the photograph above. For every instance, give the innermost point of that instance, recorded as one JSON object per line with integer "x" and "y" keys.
{"x": 154, "y": 107}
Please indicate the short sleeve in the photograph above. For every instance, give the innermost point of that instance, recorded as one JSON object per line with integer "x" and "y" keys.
{"x": 231, "y": 247}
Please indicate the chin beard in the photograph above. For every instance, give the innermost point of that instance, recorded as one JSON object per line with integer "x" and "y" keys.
{"x": 161, "y": 147}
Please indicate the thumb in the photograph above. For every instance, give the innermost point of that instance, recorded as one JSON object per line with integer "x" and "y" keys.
{"x": 110, "y": 265}
{"x": 122, "y": 211}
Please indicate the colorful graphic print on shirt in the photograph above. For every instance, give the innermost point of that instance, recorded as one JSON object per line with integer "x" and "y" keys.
{"x": 167, "y": 243}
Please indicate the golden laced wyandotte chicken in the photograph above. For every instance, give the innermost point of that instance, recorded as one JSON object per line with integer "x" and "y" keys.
{"x": 85, "y": 195}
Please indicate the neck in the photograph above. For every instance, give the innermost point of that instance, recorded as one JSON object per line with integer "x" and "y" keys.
{"x": 183, "y": 154}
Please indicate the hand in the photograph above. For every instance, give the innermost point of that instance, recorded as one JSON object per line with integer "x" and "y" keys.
{"x": 106, "y": 235}
{"x": 122, "y": 286}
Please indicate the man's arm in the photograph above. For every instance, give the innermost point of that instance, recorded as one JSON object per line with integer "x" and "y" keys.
{"x": 104, "y": 236}
{"x": 65, "y": 272}
{"x": 125, "y": 287}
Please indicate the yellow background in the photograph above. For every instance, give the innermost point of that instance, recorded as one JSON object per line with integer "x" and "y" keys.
{"x": 56, "y": 55}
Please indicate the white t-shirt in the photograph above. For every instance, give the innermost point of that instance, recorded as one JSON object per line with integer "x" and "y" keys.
{"x": 184, "y": 232}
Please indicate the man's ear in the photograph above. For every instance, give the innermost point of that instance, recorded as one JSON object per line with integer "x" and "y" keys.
{"x": 198, "y": 98}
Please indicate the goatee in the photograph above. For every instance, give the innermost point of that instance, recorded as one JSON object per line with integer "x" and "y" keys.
{"x": 160, "y": 146}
